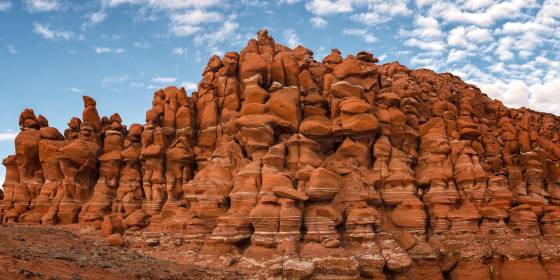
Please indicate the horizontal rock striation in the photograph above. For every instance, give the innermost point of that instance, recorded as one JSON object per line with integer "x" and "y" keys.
{"x": 283, "y": 166}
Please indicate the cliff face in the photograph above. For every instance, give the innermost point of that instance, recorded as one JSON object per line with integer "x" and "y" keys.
{"x": 280, "y": 165}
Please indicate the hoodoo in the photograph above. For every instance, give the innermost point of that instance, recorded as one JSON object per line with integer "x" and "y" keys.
{"x": 280, "y": 166}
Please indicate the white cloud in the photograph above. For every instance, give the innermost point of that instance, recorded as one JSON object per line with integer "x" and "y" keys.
{"x": 362, "y": 33}
{"x": 75, "y": 90}
{"x": 456, "y": 55}
{"x": 476, "y": 4}
{"x": 180, "y": 51}
{"x": 102, "y": 50}
{"x": 227, "y": 31}
{"x": 5, "y": 6}
{"x": 95, "y": 18}
{"x": 181, "y": 4}
{"x": 431, "y": 60}
{"x": 542, "y": 94}
{"x": 184, "y": 30}
{"x": 8, "y": 135}
{"x": 141, "y": 45}
{"x": 522, "y": 27}
{"x": 187, "y": 23}
{"x": 182, "y": 23}
{"x": 196, "y": 17}
{"x": 425, "y": 45}
{"x": 164, "y": 80}
{"x": 99, "y": 50}
{"x": 190, "y": 86}
{"x": 328, "y": 7}
{"x": 37, "y": 6}
{"x": 470, "y": 72}
{"x": 114, "y": 80}
{"x": 450, "y": 12}
{"x": 381, "y": 11}
{"x": 503, "y": 51}
{"x": 426, "y": 35}
{"x": 318, "y": 22}
{"x": 163, "y": 4}
{"x": 291, "y": 38}
{"x": 423, "y": 3}
{"x": 468, "y": 37}
{"x": 50, "y": 34}
{"x": 514, "y": 93}
{"x": 426, "y": 28}
{"x": 289, "y": 2}
{"x": 136, "y": 85}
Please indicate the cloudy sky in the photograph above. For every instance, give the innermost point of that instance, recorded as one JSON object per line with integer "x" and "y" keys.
{"x": 119, "y": 51}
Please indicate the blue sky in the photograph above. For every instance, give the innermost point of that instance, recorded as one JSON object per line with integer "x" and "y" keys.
{"x": 120, "y": 51}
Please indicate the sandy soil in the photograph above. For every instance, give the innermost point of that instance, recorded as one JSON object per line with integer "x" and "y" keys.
{"x": 70, "y": 252}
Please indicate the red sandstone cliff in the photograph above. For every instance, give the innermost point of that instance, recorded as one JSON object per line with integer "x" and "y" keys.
{"x": 283, "y": 166}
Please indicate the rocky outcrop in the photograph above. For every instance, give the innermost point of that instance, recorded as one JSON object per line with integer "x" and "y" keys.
{"x": 283, "y": 166}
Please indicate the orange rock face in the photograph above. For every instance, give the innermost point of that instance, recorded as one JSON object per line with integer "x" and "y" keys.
{"x": 283, "y": 166}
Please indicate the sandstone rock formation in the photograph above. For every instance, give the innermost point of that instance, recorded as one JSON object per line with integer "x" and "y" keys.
{"x": 283, "y": 166}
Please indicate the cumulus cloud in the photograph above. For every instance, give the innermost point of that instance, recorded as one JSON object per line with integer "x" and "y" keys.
{"x": 186, "y": 17}
{"x": 188, "y": 22}
{"x": 426, "y": 35}
{"x": 227, "y": 31}
{"x": 195, "y": 17}
{"x": 164, "y": 80}
{"x": 291, "y": 38}
{"x": 8, "y": 135}
{"x": 489, "y": 16}
{"x": 95, "y": 18}
{"x": 75, "y": 90}
{"x": 189, "y": 86}
{"x": 180, "y": 51}
{"x": 114, "y": 80}
{"x": 102, "y": 50}
{"x": 318, "y": 22}
{"x": 5, "y": 6}
{"x": 381, "y": 11}
{"x": 503, "y": 50}
{"x": 289, "y": 2}
{"x": 470, "y": 36}
{"x": 163, "y": 4}
{"x": 37, "y": 6}
{"x": 51, "y": 34}
{"x": 426, "y": 27}
{"x": 141, "y": 45}
{"x": 456, "y": 56}
{"x": 328, "y": 7}
{"x": 425, "y": 45}
{"x": 99, "y": 50}
{"x": 362, "y": 33}
{"x": 184, "y": 30}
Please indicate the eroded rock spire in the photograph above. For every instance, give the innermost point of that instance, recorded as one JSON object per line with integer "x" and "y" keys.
{"x": 283, "y": 166}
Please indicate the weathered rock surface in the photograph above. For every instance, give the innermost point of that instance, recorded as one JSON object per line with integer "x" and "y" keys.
{"x": 283, "y": 166}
